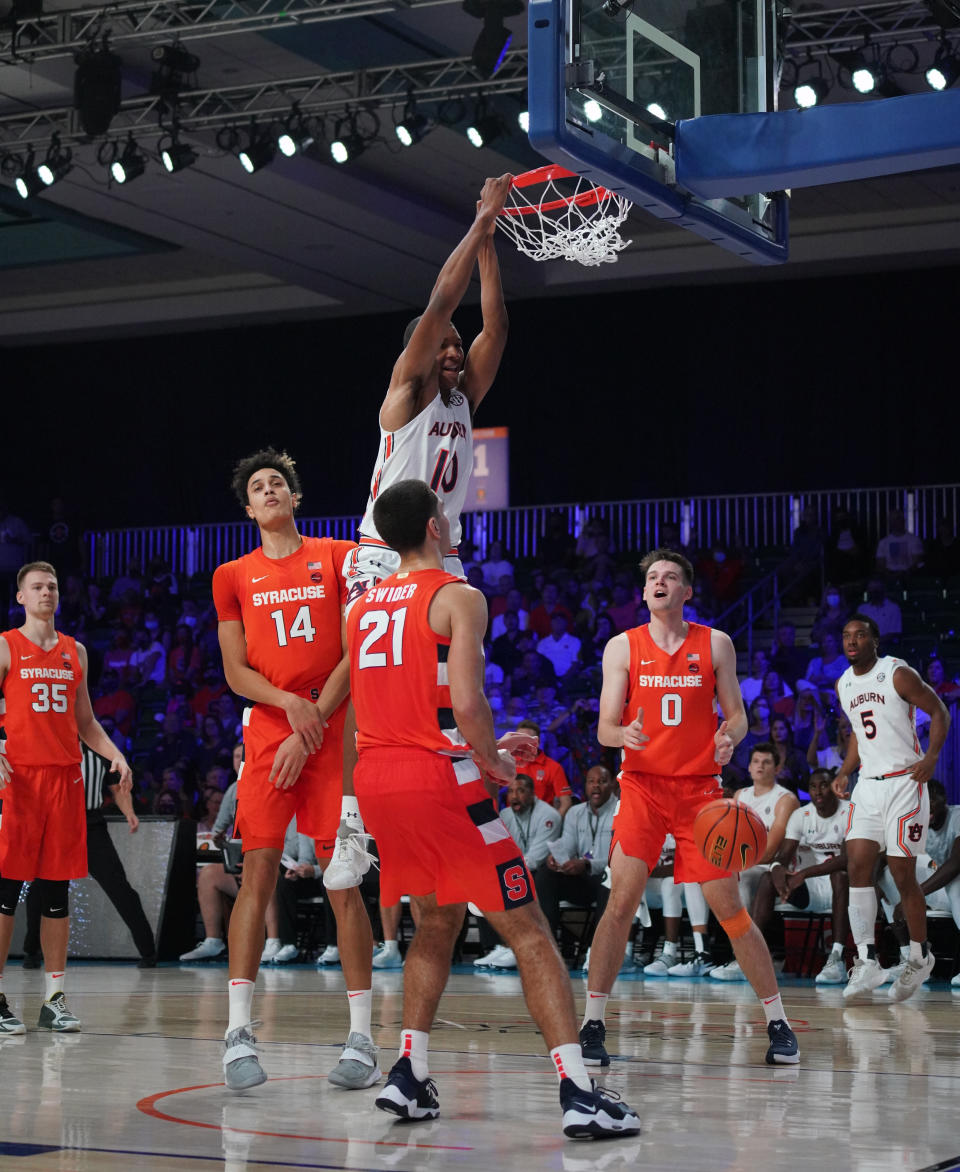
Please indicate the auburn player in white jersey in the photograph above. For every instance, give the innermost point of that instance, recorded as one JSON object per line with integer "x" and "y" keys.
{"x": 890, "y": 809}
{"x": 426, "y": 430}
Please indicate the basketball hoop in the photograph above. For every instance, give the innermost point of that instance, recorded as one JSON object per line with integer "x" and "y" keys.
{"x": 579, "y": 222}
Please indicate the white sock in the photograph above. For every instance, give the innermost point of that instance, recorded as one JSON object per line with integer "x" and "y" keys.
{"x": 568, "y": 1059}
{"x": 360, "y": 1002}
{"x": 241, "y": 1000}
{"x": 904, "y": 951}
{"x": 413, "y": 1045}
{"x": 837, "y": 949}
{"x": 52, "y": 984}
{"x": 669, "y": 948}
{"x": 917, "y": 951}
{"x": 863, "y": 917}
{"x": 274, "y": 940}
{"x": 596, "y": 1007}
{"x": 698, "y": 944}
{"x": 391, "y": 946}
{"x": 773, "y": 1009}
{"x": 350, "y": 819}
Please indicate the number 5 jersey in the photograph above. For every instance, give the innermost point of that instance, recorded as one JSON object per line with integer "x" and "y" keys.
{"x": 882, "y": 720}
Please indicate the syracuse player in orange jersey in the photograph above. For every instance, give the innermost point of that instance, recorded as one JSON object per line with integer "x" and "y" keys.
{"x": 44, "y": 711}
{"x": 280, "y": 611}
{"x": 425, "y": 740}
{"x": 661, "y": 686}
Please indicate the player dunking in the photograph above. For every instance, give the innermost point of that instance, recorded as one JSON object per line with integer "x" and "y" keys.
{"x": 661, "y": 685}
{"x": 425, "y": 737}
{"x": 890, "y": 809}
{"x": 284, "y": 648}
{"x": 44, "y": 713}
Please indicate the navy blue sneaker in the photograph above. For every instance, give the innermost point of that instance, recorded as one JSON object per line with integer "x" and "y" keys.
{"x": 783, "y": 1043}
{"x": 406, "y": 1096}
{"x": 595, "y": 1114}
{"x": 592, "y": 1036}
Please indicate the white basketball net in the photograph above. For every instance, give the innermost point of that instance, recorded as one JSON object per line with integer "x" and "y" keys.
{"x": 581, "y": 224}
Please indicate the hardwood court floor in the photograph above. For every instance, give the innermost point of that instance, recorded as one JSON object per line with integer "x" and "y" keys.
{"x": 878, "y": 1088}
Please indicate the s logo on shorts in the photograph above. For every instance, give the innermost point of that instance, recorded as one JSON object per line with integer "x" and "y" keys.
{"x": 515, "y": 883}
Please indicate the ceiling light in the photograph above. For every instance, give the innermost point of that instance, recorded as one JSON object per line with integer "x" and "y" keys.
{"x": 412, "y": 129}
{"x": 131, "y": 164}
{"x": 484, "y": 129}
{"x": 175, "y": 58}
{"x": 945, "y": 69}
{"x": 177, "y": 156}
{"x": 811, "y": 92}
{"x": 28, "y": 182}
{"x": 524, "y": 119}
{"x": 257, "y": 154}
{"x": 345, "y": 148}
{"x": 57, "y": 163}
{"x": 296, "y": 136}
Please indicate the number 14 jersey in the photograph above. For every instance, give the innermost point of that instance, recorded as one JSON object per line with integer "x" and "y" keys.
{"x": 678, "y": 696}
{"x": 290, "y": 609}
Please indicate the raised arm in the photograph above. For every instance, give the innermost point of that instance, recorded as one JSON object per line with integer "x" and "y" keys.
{"x": 910, "y": 687}
{"x": 415, "y": 365}
{"x": 483, "y": 358}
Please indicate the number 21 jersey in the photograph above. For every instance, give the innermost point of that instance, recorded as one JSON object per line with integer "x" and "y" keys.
{"x": 290, "y": 609}
{"x": 678, "y": 696}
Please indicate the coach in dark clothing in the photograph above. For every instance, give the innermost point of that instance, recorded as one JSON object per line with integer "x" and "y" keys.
{"x": 103, "y": 864}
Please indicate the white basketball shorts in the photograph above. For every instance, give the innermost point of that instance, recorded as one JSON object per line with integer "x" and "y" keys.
{"x": 369, "y": 564}
{"x": 893, "y": 812}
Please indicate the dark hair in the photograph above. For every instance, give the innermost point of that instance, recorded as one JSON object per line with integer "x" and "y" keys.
{"x": 527, "y": 781}
{"x": 764, "y": 747}
{"x": 753, "y": 703}
{"x": 779, "y": 716}
{"x": 827, "y": 773}
{"x": 867, "y": 622}
{"x": 408, "y": 332}
{"x": 265, "y": 458}
{"x": 32, "y": 567}
{"x": 936, "y": 789}
{"x": 531, "y": 725}
{"x": 667, "y": 555}
{"x": 401, "y": 514}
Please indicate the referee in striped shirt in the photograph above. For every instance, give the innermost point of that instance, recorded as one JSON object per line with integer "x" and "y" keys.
{"x": 103, "y": 864}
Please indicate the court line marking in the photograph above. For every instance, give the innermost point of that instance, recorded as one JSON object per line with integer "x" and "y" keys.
{"x": 219, "y": 1159}
{"x": 147, "y": 1106}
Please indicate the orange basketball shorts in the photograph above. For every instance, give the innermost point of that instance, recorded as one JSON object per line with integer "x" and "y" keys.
{"x": 263, "y": 811}
{"x": 43, "y": 831}
{"x": 436, "y": 835}
{"x": 651, "y": 807}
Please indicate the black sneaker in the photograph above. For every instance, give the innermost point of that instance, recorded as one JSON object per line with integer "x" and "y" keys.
{"x": 406, "y": 1096}
{"x": 783, "y": 1044}
{"x": 592, "y": 1036}
{"x": 9, "y": 1022}
{"x": 595, "y": 1114}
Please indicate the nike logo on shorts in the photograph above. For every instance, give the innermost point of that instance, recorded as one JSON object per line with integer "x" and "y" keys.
{"x": 260, "y": 579}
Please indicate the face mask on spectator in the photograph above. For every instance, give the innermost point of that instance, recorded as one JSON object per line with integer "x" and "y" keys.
{"x": 151, "y": 624}
{"x": 189, "y": 619}
{"x": 833, "y": 600}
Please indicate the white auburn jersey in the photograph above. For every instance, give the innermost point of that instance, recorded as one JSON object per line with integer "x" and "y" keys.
{"x": 882, "y": 720}
{"x": 435, "y": 446}
{"x": 818, "y": 838}
{"x": 763, "y": 805}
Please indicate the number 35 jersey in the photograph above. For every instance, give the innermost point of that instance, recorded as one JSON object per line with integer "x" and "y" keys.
{"x": 678, "y": 696}
{"x": 882, "y": 720}
{"x": 38, "y": 720}
{"x": 290, "y": 609}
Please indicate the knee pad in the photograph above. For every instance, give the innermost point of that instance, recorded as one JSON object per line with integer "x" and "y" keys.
{"x": 54, "y": 898}
{"x": 738, "y": 925}
{"x": 10, "y": 895}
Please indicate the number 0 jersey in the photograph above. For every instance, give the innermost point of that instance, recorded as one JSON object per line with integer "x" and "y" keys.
{"x": 38, "y": 720}
{"x": 290, "y": 609}
{"x": 882, "y": 720}
{"x": 678, "y": 696}
{"x": 435, "y": 446}
{"x": 398, "y": 667}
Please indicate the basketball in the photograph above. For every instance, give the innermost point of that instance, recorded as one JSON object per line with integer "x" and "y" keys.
{"x": 729, "y": 835}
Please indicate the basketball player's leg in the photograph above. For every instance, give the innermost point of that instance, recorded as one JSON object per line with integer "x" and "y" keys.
{"x": 427, "y": 966}
{"x": 628, "y": 879}
{"x": 250, "y": 911}
{"x": 9, "y": 897}
{"x": 351, "y": 860}
{"x": 764, "y": 898}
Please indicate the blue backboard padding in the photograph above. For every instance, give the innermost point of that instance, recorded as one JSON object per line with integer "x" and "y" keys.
{"x": 737, "y": 154}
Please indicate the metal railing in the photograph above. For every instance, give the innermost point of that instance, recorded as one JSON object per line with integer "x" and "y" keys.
{"x": 755, "y": 522}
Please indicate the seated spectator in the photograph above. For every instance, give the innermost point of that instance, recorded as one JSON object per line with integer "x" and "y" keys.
{"x": 225, "y": 710}
{"x": 109, "y": 727}
{"x": 591, "y": 648}
{"x": 119, "y": 656}
{"x": 173, "y": 747}
{"x": 947, "y": 689}
{"x": 556, "y": 549}
{"x": 594, "y": 536}
{"x": 208, "y": 808}
{"x": 217, "y": 776}
{"x": 171, "y": 802}
{"x": 549, "y": 780}
{"x": 792, "y": 770}
{"x": 938, "y": 873}
{"x": 475, "y": 579}
{"x": 786, "y": 657}
{"x": 130, "y": 582}
{"x": 826, "y": 668}
{"x": 846, "y": 552}
{"x": 493, "y": 673}
{"x": 115, "y": 701}
{"x": 512, "y": 715}
{"x": 74, "y": 603}
{"x": 899, "y": 552}
{"x": 884, "y": 611}
{"x": 601, "y": 564}
{"x": 752, "y": 685}
{"x": 148, "y": 662}
{"x": 758, "y": 730}
{"x": 720, "y": 572}
{"x": 534, "y": 669}
{"x": 184, "y": 661}
{"x": 778, "y": 694}
{"x": 828, "y": 748}
{"x": 495, "y": 565}
{"x": 560, "y": 647}
{"x": 543, "y": 612}
{"x": 497, "y": 599}
{"x": 805, "y": 715}
{"x": 505, "y": 650}
{"x": 513, "y": 604}
{"x": 533, "y": 825}
{"x": 831, "y": 617}
{"x": 623, "y": 606}
{"x": 582, "y": 850}
{"x": 214, "y": 884}
{"x": 810, "y": 870}
{"x": 943, "y": 552}
{"x": 161, "y": 585}
{"x": 209, "y": 692}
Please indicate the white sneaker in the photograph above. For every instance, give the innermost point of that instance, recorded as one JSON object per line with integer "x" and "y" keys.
{"x": 656, "y": 968}
{"x": 891, "y": 974}
{"x": 913, "y": 975}
{"x": 865, "y": 976}
{"x": 506, "y": 959}
{"x": 728, "y": 972}
{"x": 483, "y": 962}
{"x": 351, "y": 861}
{"x": 270, "y": 950}
{"x": 330, "y": 955}
{"x": 286, "y": 954}
{"x": 833, "y": 972}
{"x": 206, "y": 950}
{"x": 955, "y": 983}
{"x": 701, "y": 966}
{"x": 388, "y": 957}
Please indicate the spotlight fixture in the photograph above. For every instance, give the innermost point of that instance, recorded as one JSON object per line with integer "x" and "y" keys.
{"x": 350, "y": 140}
{"x": 174, "y": 58}
{"x": 295, "y": 137}
{"x": 131, "y": 164}
{"x": 812, "y": 92}
{"x": 485, "y": 126}
{"x": 96, "y": 88}
{"x": 347, "y": 147}
{"x": 257, "y": 155}
{"x": 524, "y": 120}
{"x": 492, "y": 44}
{"x": 57, "y": 164}
{"x": 28, "y": 182}
{"x": 945, "y": 69}
{"x": 863, "y": 74}
{"x": 412, "y": 127}
{"x": 177, "y": 155}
